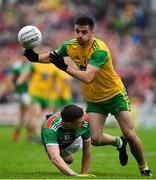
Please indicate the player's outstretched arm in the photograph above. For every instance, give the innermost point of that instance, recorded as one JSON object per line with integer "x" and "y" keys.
{"x": 54, "y": 153}
{"x": 49, "y": 57}
{"x": 86, "y": 156}
{"x": 32, "y": 56}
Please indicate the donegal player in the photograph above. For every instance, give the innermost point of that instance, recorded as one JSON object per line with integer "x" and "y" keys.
{"x": 63, "y": 94}
{"x": 102, "y": 88}
{"x": 41, "y": 84}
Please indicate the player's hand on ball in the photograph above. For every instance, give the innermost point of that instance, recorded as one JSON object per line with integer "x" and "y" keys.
{"x": 58, "y": 60}
{"x": 31, "y": 55}
{"x": 85, "y": 175}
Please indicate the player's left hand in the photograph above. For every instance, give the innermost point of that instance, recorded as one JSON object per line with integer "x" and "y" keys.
{"x": 85, "y": 175}
{"x": 31, "y": 55}
{"x": 58, "y": 60}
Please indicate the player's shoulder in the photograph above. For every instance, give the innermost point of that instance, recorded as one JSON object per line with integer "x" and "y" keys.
{"x": 99, "y": 44}
{"x": 97, "y": 39}
{"x": 53, "y": 122}
{"x": 70, "y": 42}
{"x": 86, "y": 121}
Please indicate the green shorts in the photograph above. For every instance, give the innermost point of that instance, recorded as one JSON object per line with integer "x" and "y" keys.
{"x": 59, "y": 103}
{"x": 118, "y": 103}
{"x": 42, "y": 101}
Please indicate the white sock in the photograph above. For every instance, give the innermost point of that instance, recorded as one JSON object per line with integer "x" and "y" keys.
{"x": 120, "y": 144}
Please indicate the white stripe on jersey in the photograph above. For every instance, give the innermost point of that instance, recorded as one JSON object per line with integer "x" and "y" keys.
{"x": 51, "y": 144}
{"x": 85, "y": 124}
{"x": 55, "y": 126}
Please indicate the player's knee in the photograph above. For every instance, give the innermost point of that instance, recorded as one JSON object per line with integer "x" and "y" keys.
{"x": 130, "y": 136}
{"x": 96, "y": 141}
{"x": 68, "y": 159}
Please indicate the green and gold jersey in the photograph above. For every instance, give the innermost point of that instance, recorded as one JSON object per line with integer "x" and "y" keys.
{"x": 53, "y": 132}
{"x": 64, "y": 82}
{"x": 42, "y": 79}
{"x": 107, "y": 83}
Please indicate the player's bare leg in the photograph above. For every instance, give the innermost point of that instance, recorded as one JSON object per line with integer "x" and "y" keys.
{"x": 16, "y": 134}
{"x": 136, "y": 147}
{"x": 99, "y": 138}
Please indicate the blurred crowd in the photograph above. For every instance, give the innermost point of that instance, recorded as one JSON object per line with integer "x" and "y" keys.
{"x": 122, "y": 24}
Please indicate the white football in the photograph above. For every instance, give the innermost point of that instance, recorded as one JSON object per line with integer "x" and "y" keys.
{"x": 29, "y": 37}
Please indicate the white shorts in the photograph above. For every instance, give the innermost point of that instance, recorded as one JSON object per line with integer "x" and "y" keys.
{"x": 74, "y": 147}
{"x": 23, "y": 99}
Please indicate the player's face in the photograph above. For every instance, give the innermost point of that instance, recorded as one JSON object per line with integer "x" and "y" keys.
{"x": 83, "y": 34}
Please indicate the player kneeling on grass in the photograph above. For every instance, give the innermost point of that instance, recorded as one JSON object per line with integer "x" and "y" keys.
{"x": 65, "y": 133}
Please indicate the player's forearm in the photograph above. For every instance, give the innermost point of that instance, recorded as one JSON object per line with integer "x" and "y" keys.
{"x": 85, "y": 163}
{"x": 83, "y": 76}
{"x": 44, "y": 58}
{"x": 62, "y": 166}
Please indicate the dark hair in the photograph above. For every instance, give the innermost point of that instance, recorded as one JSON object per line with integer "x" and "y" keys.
{"x": 71, "y": 113}
{"x": 85, "y": 20}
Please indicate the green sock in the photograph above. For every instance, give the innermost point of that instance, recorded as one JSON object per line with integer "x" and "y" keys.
{"x": 143, "y": 166}
{"x": 118, "y": 142}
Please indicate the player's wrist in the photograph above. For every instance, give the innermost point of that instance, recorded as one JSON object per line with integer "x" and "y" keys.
{"x": 58, "y": 60}
{"x": 74, "y": 174}
{"x": 31, "y": 55}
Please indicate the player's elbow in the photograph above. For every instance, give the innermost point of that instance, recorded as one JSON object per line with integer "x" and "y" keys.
{"x": 88, "y": 79}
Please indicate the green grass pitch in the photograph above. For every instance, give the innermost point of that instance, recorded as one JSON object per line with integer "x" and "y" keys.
{"x": 20, "y": 160}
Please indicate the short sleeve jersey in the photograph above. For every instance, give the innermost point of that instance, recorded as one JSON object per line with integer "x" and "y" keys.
{"x": 107, "y": 83}
{"x": 16, "y": 70}
{"x": 64, "y": 82}
{"x": 53, "y": 132}
{"x": 41, "y": 80}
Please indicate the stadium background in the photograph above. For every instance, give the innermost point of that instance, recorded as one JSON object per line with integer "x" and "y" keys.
{"x": 129, "y": 28}
{"x": 125, "y": 25}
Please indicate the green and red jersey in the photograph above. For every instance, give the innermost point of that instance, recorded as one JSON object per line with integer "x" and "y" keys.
{"x": 53, "y": 132}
